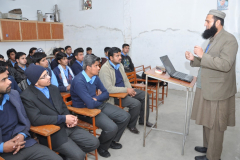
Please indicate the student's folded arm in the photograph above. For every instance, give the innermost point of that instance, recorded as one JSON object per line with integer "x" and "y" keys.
{"x": 105, "y": 95}
{"x": 82, "y": 92}
{"x": 35, "y": 116}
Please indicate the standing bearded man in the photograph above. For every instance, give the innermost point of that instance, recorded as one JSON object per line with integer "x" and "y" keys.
{"x": 214, "y": 101}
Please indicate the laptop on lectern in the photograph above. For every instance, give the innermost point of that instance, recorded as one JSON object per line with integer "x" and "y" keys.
{"x": 172, "y": 72}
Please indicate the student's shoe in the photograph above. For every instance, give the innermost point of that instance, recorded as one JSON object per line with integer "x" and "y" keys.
{"x": 103, "y": 153}
{"x": 115, "y": 145}
{"x": 133, "y": 130}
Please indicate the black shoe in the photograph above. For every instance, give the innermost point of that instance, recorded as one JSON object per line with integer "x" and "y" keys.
{"x": 201, "y": 158}
{"x": 115, "y": 145}
{"x": 148, "y": 124}
{"x": 133, "y": 130}
{"x": 103, "y": 153}
{"x": 201, "y": 149}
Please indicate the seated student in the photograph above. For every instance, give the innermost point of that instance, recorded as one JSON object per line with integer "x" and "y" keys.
{"x": 104, "y": 59}
{"x": 77, "y": 61}
{"x": 55, "y": 52}
{"x": 68, "y": 50}
{"x": 61, "y": 49}
{"x": 63, "y": 73}
{"x": 11, "y": 71}
{"x": 15, "y": 140}
{"x": 20, "y": 67}
{"x": 114, "y": 78}
{"x": 2, "y": 58}
{"x": 14, "y": 84}
{"x": 126, "y": 60}
{"x": 11, "y": 53}
{"x": 44, "y": 105}
{"x": 112, "y": 120}
{"x": 89, "y": 51}
{"x": 54, "y": 62}
{"x": 41, "y": 60}
{"x": 31, "y": 53}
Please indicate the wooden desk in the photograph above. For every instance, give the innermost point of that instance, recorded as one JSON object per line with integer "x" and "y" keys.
{"x": 189, "y": 89}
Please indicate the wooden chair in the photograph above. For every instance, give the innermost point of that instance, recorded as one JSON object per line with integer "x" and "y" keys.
{"x": 86, "y": 112}
{"x": 120, "y": 96}
{"x": 139, "y": 70}
{"x": 46, "y": 131}
{"x": 133, "y": 80}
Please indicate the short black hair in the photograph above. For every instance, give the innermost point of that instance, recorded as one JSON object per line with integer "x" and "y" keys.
{"x": 10, "y": 51}
{"x": 124, "y": 45}
{"x": 1, "y": 56}
{"x": 19, "y": 54}
{"x": 106, "y": 49}
{"x": 60, "y": 56}
{"x": 67, "y": 47}
{"x": 56, "y": 50}
{"x": 89, "y": 48}
{"x": 76, "y": 51}
{"x": 32, "y": 49}
{"x": 218, "y": 18}
{"x": 3, "y": 64}
{"x": 61, "y": 48}
{"x": 38, "y": 56}
{"x": 2, "y": 69}
{"x": 113, "y": 50}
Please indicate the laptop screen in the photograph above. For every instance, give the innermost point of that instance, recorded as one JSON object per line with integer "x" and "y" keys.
{"x": 168, "y": 65}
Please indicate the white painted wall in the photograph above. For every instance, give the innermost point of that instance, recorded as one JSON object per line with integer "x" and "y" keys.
{"x": 29, "y": 10}
{"x": 172, "y": 27}
{"x": 97, "y": 28}
{"x": 153, "y": 28}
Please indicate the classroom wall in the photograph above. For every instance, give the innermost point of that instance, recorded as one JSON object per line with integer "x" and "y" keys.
{"x": 152, "y": 28}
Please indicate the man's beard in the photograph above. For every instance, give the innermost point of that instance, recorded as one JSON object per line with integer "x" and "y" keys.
{"x": 8, "y": 89}
{"x": 208, "y": 33}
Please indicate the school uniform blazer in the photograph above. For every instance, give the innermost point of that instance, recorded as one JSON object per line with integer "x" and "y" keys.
{"x": 41, "y": 111}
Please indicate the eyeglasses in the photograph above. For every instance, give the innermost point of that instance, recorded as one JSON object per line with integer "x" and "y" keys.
{"x": 45, "y": 76}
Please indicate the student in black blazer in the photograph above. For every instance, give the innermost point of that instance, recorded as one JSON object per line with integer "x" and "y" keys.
{"x": 44, "y": 105}
{"x": 15, "y": 140}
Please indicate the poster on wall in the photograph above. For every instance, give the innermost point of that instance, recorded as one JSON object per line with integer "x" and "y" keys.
{"x": 222, "y": 4}
{"x": 87, "y": 4}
